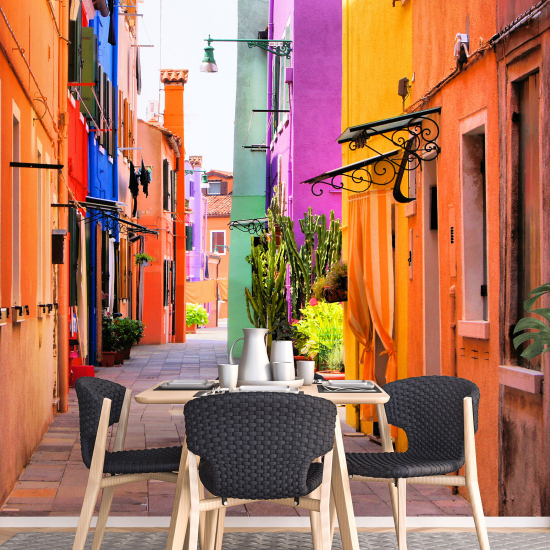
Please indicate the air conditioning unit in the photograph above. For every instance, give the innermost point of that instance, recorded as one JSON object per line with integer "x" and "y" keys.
{"x": 153, "y": 111}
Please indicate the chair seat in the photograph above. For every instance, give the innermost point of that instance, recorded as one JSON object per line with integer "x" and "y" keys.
{"x": 399, "y": 465}
{"x": 314, "y": 479}
{"x": 143, "y": 461}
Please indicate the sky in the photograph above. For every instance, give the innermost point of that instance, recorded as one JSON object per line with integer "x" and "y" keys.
{"x": 209, "y": 97}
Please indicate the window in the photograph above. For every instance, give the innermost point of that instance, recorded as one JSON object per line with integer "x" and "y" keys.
{"x": 165, "y": 185}
{"x": 474, "y": 212}
{"x": 215, "y": 188}
{"x": 217, "y": 241}
{"x": 166, "y": 287}
{"x": 40, "y": 226}
{"x": 16, "y": 208}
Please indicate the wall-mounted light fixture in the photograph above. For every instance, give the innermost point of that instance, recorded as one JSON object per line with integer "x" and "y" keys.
{"x": 281, "y": 48}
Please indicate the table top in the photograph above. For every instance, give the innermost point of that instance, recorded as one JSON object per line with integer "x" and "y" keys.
{"x": 175, "y": 397}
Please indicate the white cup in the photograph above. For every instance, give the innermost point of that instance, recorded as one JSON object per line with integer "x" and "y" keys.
{"x": 306, "y": 370}
{"x": 229, "y": 375}
{"x": 283, "y": 371}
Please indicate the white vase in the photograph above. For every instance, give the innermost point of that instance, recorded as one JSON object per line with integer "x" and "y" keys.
{"x": 254, "y": 362}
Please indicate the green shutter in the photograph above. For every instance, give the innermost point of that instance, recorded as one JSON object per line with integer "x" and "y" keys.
{"x": 189, "y": 237}
{"x": 75, "y": 47}
{"x": 89, "y": 71}
{"x": 165, "y": 183}
{"x": 173, "y": 279}
{"x": 174, "y": 183}
{"x": 73, "y": 256}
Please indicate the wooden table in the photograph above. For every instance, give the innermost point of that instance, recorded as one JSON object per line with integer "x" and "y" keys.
{"x": 340, "y": 480}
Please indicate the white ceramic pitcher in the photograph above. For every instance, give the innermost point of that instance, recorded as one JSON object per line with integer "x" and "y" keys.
{"x": 254, "y": 362}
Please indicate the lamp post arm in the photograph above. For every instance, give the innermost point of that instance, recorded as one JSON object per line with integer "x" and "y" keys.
{"x": 281, "y": 48}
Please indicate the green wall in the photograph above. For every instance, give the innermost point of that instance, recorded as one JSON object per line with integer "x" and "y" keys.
{"x": 249, "y": 168}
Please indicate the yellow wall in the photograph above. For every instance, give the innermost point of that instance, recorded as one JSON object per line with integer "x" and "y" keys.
{"x": 377, "y": 53}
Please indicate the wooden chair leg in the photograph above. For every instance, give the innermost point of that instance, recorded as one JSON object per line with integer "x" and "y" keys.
{"x": 106, "y": 501}
{"x": 394, "y": 504}
{"x": 324, "y": 513}
{"x": 220, "y": 529}
{"x": 194, "y": 511}
{"x": 477, "y": 511}
{"x": 208, "y": 540}
{"x": 180, "y": 511}
{"x": 315, "y": 522}
{"x": 90, "y": 498}
{"x": 332, "y": 515}
{"x": 401, "y": 514}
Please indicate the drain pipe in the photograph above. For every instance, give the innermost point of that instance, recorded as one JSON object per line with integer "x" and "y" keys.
{"x": 62, "y": 155}
{"x": 269, "y": 106}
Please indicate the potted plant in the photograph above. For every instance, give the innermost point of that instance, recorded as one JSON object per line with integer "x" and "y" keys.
{"x": 144, "y": 259}
{"x": 196, "y": 316}
{"x": 110, "y": 341}
{"x": 129, "y": 331}
{"x": 538, "y": 331}
{"x": 336, "y": 283}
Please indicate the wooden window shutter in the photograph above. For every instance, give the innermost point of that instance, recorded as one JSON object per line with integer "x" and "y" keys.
{"x": 173, "y": 191}
{"x": 88, "y": 72}
{"x": 120, "y": 125}
{"x": 131, "y": 141}
{"x": 75, "y": 47}
{"x": 165, "y": 185}
{"x": 173, "y": 289}
{"x": 223, "y": 188}
{"x": 166, "y": 281}
{"x": 100, "y": 92}
{"x": 189, "y": 237}
{"x": 126, "y": 129}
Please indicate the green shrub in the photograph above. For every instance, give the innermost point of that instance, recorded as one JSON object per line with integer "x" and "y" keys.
{"x": 128, "y": 331}
{"x": 196, "y": 315}
{"x": 110, "y": 339}
{"x": 320, "y": 327}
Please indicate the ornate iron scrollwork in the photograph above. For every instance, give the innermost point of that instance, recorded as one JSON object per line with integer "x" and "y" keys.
{"x": 284, "y": 50}
{"x": 254, "y": 226}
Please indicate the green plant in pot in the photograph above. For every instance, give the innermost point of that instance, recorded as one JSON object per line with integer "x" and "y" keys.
{"x": 536, "y": 330}
{"x": 129, "y": 332}
{"x": 196, "y": 316}
{"x": 336, "y": 283}
{"x": 110, "y": 341}
{"x": 144, "y": 259}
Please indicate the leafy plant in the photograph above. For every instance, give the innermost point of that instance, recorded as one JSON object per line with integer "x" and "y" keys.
{"x": 320, "y": 326}
{"x": 333, "y": 358}
{"x": 128, "y": 331}
{"x": 196, "y": 315}
{"x": 337, "y": 274}
{"x": 539, "y": 331}
{"x": 317, "y": 288}
{"x": 141, "y": 257}
{"x": 110, "y": 338}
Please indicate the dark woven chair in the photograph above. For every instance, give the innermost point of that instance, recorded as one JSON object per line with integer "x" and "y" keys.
{"x": 439, "y": 414}
{"x": 259, "y": 446}
{"x": 101, "y": 404}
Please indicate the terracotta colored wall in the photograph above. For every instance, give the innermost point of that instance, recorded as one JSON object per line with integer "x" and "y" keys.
{"x": 219, "y": 224}
{"x": 434, "y": 28}
{"x": 152, "y": 215}
{"x": 27, "y": 363}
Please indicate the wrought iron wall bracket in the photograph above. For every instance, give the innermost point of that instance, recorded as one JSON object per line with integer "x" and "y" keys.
{"x": 280, "y": 48}
{"x": 253, "y": 226}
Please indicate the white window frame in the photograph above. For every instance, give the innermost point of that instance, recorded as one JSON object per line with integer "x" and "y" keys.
{"x": 212, "y": 243}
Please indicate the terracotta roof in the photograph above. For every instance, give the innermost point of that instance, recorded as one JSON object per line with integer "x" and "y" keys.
{"x": 221, "y": 172}
{"x": 219, "y": 205}
{"x": 173, "y": 139}
{"x": 171, "y": 75}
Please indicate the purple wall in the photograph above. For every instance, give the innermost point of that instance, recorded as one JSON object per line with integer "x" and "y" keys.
{"x": 308, "y": 144}
{"x": 193, "y": 194}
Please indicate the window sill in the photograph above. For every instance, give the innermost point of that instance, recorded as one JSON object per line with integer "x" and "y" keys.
{"x": 527, "y": 380}
{"x": 474, "y": 329}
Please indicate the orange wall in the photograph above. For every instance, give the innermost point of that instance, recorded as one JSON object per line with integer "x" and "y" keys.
{"x": 151, "y": 214}
{"x": 219, "y": 224}
{"x": 27, "y": 355}
{"x": 435, "y": 25}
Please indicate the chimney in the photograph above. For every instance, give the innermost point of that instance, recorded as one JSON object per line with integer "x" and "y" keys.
{"x": 174, "y": 82}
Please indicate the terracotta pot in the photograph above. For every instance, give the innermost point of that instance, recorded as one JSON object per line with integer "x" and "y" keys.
{"x": 119, "y": 358}
{"x": 335, "y": 294}
{"x": 108, "y": 358}
{"x": 126, "y": 353}
{"x": 191, "y": 329}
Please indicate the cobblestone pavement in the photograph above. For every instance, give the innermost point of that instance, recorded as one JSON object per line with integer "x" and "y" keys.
{"x": 54, "y": 481}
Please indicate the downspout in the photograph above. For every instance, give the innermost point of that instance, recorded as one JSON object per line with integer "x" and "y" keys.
{"x": 114, "y": 118}
{"x": 62, "y": 155}
{"x": 269, "y": 105}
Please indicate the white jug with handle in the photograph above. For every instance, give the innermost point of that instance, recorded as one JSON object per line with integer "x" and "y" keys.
{"x": 254, "y": 363}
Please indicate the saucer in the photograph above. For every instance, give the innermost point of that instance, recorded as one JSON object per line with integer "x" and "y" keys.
{"x": 297, "y": 383}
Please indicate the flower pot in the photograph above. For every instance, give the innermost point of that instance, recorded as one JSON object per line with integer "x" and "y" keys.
{"x": 335, "y": 294}
{"x": 191, "y": 329}
{"x": 108, "y": 358}
{"x": 144, "y": 263}
{"x": 119, "y": 358}
{"x": 126, "y": 353}
{"x": 345, "y": 282}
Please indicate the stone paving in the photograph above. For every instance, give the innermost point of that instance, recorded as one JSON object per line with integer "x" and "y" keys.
{"x": 54, "y": 481}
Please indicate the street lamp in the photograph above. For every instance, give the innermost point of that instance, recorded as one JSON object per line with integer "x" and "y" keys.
{"x": 281, "y": 48}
